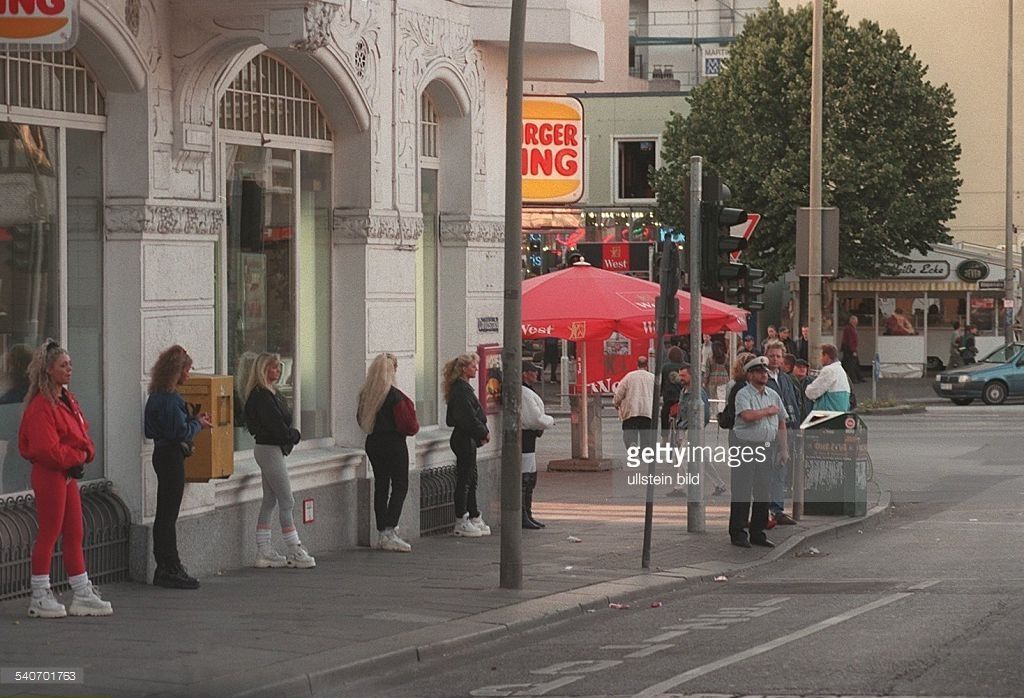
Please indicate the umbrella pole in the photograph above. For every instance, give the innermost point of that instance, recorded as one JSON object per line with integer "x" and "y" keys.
{"x": 585, "y": 425}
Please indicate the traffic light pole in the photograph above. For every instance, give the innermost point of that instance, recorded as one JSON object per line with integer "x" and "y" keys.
{"x": 814, "y": 236}
{"x": 695, "y": 510}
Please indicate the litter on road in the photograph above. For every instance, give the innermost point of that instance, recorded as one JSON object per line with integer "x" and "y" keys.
{"x": 574, "y": 539}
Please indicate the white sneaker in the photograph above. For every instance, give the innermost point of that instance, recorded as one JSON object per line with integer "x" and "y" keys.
{"x": 45, "y": 605}
{"x": 266, "y": 557}
{"x": 389, "y": 540}
{"x": 87, "y": 602}
{"x": 465, "y": 529}
{"x": 299, "y": 558}
{"x": 484, "y": 529}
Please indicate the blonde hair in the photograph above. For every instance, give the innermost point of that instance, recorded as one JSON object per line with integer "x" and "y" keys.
{"x": 45, "y": 356}
{"x": 167, "y": 369}
{"x": 379, "y": 379}
{"x": 258, "y": 373}
{"x": 453, "y": 371}
{"x": 738, "y": 372}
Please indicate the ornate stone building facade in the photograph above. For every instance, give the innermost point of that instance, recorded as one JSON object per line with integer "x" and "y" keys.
{"x": 319, "y": 178}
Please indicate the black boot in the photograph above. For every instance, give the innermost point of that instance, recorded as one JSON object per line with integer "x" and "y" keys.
{"x": 528, "y": 523}
{"x": 528, "y": 500}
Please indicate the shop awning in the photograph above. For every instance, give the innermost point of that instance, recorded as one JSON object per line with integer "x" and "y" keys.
{"x": 903, "y": 286}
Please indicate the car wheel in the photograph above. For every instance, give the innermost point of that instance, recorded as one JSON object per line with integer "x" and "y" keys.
{"x": 962, "y": 400}
{"x": 994, "y": 393}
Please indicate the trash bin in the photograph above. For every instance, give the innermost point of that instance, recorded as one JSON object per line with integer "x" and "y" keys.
{"x": 835, "y": 461}
{"x": 594, "y": 451}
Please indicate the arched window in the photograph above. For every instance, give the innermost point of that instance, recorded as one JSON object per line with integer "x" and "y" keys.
{"x": 54, "y": 81}
{"x": 276, "y": 256}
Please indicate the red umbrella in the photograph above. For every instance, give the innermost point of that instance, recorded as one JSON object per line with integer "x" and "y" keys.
{"x": 584, "y": 302}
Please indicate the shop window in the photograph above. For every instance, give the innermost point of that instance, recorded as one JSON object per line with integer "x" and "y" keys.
{"x": 635, "y": 159}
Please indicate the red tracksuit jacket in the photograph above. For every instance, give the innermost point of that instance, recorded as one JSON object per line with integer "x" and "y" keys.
{"x": 54, "y": 436}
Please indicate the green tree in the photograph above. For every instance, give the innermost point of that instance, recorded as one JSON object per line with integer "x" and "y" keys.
{"x": 889, "y": 150}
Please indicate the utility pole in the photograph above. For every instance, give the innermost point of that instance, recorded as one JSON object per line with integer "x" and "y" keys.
{"x": 511, "y": 566}
{"x": 695, "y": 509}
{"x": 1010, "y": 291}
{"x": 814, "y": 242}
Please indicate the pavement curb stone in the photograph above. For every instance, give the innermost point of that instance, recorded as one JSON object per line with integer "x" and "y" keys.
{"x": 424, "y": 644}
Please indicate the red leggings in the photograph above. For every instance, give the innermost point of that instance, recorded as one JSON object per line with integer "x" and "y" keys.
{"x": 59, "y": 510}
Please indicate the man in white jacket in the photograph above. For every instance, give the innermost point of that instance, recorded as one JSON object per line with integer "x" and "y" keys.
{"x": 633, "y": 398}
{"x": 533, "y": 421}
{"x": 831, "y": 389}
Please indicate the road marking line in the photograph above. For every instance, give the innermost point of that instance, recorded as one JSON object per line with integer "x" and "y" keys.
{"x": 774, "y": 602}
{"x": 668, "y": 684}
{"x": 924, "y": 585}
{"x": 648, "y": 652}
{"x": 667, "y": 636}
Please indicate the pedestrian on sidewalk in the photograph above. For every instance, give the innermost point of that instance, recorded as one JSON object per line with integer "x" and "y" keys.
{"x": 760, "y": 432}
{"x": 54, "y": 438}
{"x": 970, "y": 346}
{"x": 955, "y": 342}
{"x": 173, "y": 428}
{"x": 470, "y": 432}
{"x": 717, "y": 376}
{"x": 534, "y": 421}
{"x": 781, "y": 383}
{"x": 632, "y": 399}
{"x": 803, "y": 343}
{"x": 388, "y": 417}
{"x": 831, "y": 389}
{"x": 787, "y": 341}
{"x": 848, "y": 346}
{"x": 552, "y": 357}
{"x": 269, "y": 420}
{"x": 670, "y": 384}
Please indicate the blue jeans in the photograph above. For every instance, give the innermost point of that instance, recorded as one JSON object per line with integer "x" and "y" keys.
{"x": 777, "y": 479}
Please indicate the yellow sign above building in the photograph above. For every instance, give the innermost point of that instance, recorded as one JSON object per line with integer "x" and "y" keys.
{"x": 552, "y": 150}
{"x": 49, "y": 24}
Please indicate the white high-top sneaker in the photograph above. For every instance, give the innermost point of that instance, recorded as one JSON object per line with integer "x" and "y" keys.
{"x": 45, "y": 605}
{"x": 299, "y": 558}
{"x": 465, "y": 529}
{"x": 87, "y": 602}
{"x": 389, "y": 540}
{"x": 267, "y": 557}
{"x": 484, "y": 529}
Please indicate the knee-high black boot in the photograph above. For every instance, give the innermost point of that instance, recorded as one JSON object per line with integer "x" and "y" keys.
{"x": 528, "y": 523}
{"x": 529, "y": 507}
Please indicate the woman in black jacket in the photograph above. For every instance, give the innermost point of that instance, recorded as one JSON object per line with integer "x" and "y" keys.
{"x": 268, "y": 419}
{"x": 466, "y": 415}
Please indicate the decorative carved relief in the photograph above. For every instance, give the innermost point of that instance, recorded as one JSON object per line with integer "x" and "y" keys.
{"x": 478, "y": 230}
{"x": 319, "y": 16}
{"x": 364, "y": 226}
{"x": 132, "y": 11}
{"x": 147, "y": 219}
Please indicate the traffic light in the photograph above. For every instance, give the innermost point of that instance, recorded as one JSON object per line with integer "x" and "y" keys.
{"x": 745, "y": 291}
{"x": 668, "y": 276}
{"x": 718, "y": 271}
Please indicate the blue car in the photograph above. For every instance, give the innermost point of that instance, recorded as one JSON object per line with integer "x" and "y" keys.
{"x": 993, "y": 379}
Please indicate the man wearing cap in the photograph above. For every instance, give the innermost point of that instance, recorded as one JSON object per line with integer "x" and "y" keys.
{"x": 748, "y": 345}
{"x": 761, "y": 427}
{"x": 633, "y": 397}
{"x": 534, "y": 421}
{"x": 800, "y": 379}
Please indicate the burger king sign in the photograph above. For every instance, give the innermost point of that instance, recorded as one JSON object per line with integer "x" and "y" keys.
{"x": 25, "y": 24}
{"x": 552, "y": 150}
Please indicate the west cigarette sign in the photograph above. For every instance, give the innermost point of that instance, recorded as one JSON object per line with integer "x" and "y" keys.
{"x": 51, "y": 24}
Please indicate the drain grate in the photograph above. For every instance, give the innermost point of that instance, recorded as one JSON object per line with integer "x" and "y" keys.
{"x": 107, "y": 525}
{"x": 437, "y": 501}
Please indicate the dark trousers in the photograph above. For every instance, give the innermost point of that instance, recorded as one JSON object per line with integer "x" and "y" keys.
{"x": 750, "y": 480}
{"x": 852, "y": 366}
{"x": 389, "y": 458}
{"x": 169, "y": 464}
{"x": 465, "y": 475}
{"x": 637, "y": 431}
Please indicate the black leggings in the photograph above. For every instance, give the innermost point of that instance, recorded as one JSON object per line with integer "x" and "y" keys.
{"x": 169, "y": 464}
{"x": 389, "y": 458}
{"x": 465, "y": 475}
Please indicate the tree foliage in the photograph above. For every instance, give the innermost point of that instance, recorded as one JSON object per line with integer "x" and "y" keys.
{"x": 889, "y": 150}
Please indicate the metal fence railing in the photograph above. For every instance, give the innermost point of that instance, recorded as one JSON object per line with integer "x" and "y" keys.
{"x": 437, "y": 501}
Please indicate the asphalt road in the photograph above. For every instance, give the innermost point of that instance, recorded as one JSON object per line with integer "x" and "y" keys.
{"x": 928, "y": 603}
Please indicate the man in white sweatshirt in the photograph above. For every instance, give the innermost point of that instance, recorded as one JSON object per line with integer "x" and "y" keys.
{"x": 633, "y": 398}
{"x": 533, "y": 421}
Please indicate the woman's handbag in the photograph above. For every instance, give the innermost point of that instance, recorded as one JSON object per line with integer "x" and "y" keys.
{"x": 404, "y": 413}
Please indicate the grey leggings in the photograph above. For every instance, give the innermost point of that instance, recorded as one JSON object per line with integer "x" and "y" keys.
{"x": 277, "y": 490}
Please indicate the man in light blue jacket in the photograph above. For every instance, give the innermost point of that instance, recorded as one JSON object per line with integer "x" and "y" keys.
{"x": 831, "y": 389}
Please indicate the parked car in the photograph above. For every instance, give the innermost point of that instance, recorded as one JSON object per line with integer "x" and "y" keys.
{"x": 998, "y": 376}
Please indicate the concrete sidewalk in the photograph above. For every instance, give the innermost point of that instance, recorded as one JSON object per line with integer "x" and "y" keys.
{"x": 306, "y": 632}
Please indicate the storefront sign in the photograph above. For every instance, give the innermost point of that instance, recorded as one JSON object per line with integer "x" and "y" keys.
{"x": 26, "y": 24}
{"x": 617, "y": 256}
{"x": 922, "y": 270}
{"x": 552, "y": 150}
{"x": 487, "y": 324}
{"x": 972, "y": 270}
{"x": 992, "y": 285}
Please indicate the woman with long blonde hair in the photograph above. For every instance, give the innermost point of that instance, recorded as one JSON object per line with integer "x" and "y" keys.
{"x": 54, "y": 438}
{"x": 387, "y": 416}
{"x": 269, "y": 420}
{"x": 172, "y": 428}
{"x": 470, "y": 432}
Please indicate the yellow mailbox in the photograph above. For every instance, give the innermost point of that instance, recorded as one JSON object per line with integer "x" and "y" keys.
{"x": 214, "y": 456}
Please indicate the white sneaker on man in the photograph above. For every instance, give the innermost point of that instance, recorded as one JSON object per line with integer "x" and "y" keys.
{"x": 267, "y": 557}
{"x": 484, "y": 529}
{"x": 87, "y": 602}
{"x": 299, "y": 558}
{"x": 45, "y": 605}
{"x": 464, "y": 528}
{"x": 389, "y": 540}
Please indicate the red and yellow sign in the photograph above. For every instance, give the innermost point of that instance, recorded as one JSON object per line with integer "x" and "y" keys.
{"x": 552, "y": 150}
{"x": 50, "y": 23}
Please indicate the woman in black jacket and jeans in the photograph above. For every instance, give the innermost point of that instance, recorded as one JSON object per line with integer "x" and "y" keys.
{"x": 466, "y": 415}
{"x": 268, "y": 419}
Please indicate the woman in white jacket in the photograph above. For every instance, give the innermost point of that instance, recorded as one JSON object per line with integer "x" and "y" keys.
{"x": 534, "y": 422}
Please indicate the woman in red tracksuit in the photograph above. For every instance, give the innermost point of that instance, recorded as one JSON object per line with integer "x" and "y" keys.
{"x": 54, "y": 438}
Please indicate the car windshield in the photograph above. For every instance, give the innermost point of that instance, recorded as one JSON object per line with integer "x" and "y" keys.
{"x": 1003, "y": 354}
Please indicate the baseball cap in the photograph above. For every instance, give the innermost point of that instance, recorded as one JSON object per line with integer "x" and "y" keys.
{"x": 747, "y": 336}
{"x": 802, "y": 362}
{"x": 758, "y": 362}
{"x": 530, "y": 366}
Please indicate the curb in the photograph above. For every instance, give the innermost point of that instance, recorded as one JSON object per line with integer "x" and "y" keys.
{"x": 898, "y": 409}
{"x": 422, "y": 644}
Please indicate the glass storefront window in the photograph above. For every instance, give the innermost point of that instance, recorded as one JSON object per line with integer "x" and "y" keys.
{"x": 426, "y": 302}
{"x": 314, "y": 286}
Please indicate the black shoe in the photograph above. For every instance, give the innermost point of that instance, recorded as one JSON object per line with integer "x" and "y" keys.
{"x": 762, "y": 542}
{"x": 534, "y": 521}
{"x": 783, "y": 519}
{"x": 530, "y": 524}
{"x": 174, "y": 578}
{"x": 740, "y": 542}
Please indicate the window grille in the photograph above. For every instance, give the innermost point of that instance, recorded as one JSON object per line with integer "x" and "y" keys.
{"x": 428, "y": 128}
{"x": 50, "y": 80}
{"x": 267, "y": 97}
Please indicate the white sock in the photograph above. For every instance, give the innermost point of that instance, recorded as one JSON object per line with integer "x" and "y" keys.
{"x": 291, "y": 537}
{"x": 262, "y": 537}
{"x": 40, "y": 582}
{"x": 80, "y": 582}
